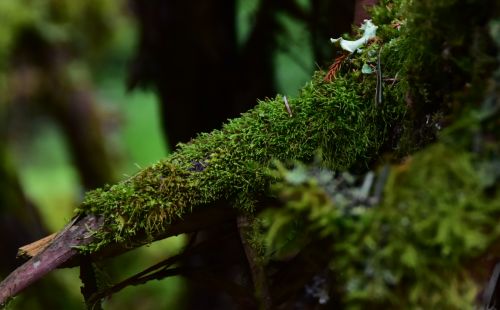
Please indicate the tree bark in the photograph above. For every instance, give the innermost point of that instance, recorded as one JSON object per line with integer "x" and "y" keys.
{"x": 61, "y": 250}
{"x": 360, "y": 11}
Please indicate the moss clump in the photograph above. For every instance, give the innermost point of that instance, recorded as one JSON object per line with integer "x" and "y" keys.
{"x": 337, "y": 118}
{"x": 436, "y": 216}
{"x": 444, "y": 49}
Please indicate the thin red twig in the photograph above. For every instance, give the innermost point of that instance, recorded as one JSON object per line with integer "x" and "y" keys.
{"x": 332, "y": 71}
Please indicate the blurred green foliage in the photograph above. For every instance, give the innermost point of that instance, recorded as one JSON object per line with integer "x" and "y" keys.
{"x": 83, "y": 25}
{"x": 414, "y": 249}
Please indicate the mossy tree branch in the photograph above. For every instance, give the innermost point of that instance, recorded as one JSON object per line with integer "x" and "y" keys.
{"x": 338, "y": 122}
{"x": 334, "y": 117}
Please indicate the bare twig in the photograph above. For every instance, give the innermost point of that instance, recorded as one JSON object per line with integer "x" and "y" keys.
{"x": 287, "y": 106}
{"x": 36, "y": 247}
{"x": 80, "y": 231}
{"x": 379, "y": 88}
{"x": 89, "y": 280}
{"x": 156, "y": 272}
{"x": 58, "y": 252}
{"x": 335, "y": 67}
{"x": 491, "y": 295}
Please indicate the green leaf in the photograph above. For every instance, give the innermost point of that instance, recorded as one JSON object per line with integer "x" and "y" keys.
{"x": 366, "y": 69}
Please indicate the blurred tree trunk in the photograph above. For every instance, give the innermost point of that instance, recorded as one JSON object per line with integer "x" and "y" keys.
{"x": 328, "y": 19}
{"x": 360, "y": 11}
{"x": 188, "y": 53}
{"x": 42, "y": 81}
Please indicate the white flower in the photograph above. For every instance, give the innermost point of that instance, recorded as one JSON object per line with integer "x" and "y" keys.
{"x": 370, "y": 31}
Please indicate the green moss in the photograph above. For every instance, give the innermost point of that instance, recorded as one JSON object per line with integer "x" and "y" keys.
{"x": 336, "y": 118}
{"x": 340, "y": 120}
{"x": 444, "y": 49}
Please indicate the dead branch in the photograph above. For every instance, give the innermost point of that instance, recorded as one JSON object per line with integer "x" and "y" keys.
{"x": 77, "y": 233}
{"x": 61, "y": 251}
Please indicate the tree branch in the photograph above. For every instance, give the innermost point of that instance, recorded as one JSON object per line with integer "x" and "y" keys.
{"x": 77, "y": 233}
{"x": 62, "y": 251}
{"x": 256, "y": 267}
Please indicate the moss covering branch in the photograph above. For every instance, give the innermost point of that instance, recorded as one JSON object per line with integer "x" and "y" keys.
{"x": 340, "y": 119}
{"x": 430, "y": 75}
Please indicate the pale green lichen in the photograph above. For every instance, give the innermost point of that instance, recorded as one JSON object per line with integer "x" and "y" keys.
{"x": 369, "y": 32}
